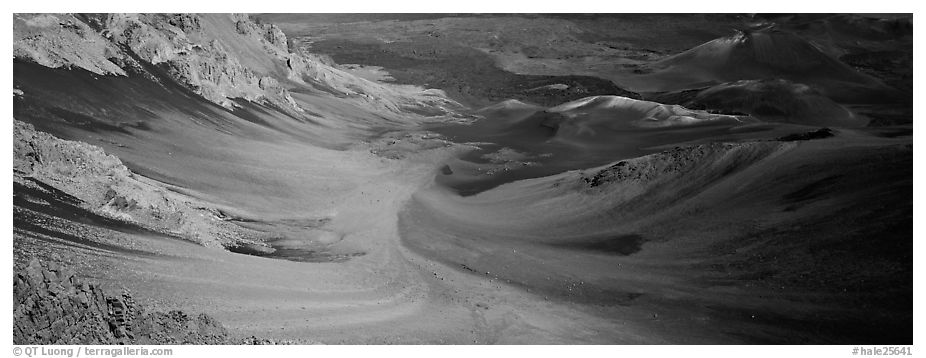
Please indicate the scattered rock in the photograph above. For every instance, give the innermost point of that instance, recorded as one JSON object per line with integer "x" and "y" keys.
{"x": 817, "y": 134}
{"x": 100, "y": 183}
{"x": 221, "y": 57}
{"x": 723, "y": 158}
{"x": 51, "y": 305}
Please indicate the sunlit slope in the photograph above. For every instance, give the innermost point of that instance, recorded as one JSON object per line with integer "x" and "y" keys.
{"x": 213, "y": 103}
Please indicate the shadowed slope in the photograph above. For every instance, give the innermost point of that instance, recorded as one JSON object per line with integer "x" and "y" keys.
{"x": 751, "y": 242}
{"x": 516, "y": 141}
{"x": 769, "y": 100}
{"x": 763, "y": 54}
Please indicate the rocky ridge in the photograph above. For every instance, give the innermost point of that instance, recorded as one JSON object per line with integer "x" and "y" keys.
{"x": 181, "y": 44}
{"x": 683, "y": 161}
{"x": 64, "y": 41}
{"x": 221, "y": 57}
{"x": 106, "y": 187}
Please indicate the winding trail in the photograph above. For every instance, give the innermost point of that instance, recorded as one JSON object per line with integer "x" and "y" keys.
{"x": 641, "y": 252}
{"x": 658, "y": 225}
{"x": 389, "y": 294}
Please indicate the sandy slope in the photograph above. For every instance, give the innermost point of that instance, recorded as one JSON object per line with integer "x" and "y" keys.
{"x": 696, "y": 244}
{"x": 386, "y": 295}
{"x": 532, "y": 274}
{"x": 769, "y": 100}
{"x": 629, "y": 255}
{"x": 691, "y": 245}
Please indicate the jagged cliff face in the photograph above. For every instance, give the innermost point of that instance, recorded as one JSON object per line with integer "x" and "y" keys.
{"x": 182, "y": 44}
{"x": 218, "y": 56}
{"x": 60, "y": 40}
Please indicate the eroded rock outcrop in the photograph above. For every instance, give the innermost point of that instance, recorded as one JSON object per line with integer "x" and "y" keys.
{"x": 52, "y": 305}
{"x": 221, "y": 57}
{"x": 62, "y": 40}
{"x": 698, "y": 162}
{"x": 646, "y": 185}
{"x": 193, "y": 55}
{"x": 106, "y": 187}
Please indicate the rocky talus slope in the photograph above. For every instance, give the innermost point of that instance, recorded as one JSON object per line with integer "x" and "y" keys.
{"x": 713, "y": 160}
{"x": 51, "y": 305}
{"x": 103, "y": 185}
